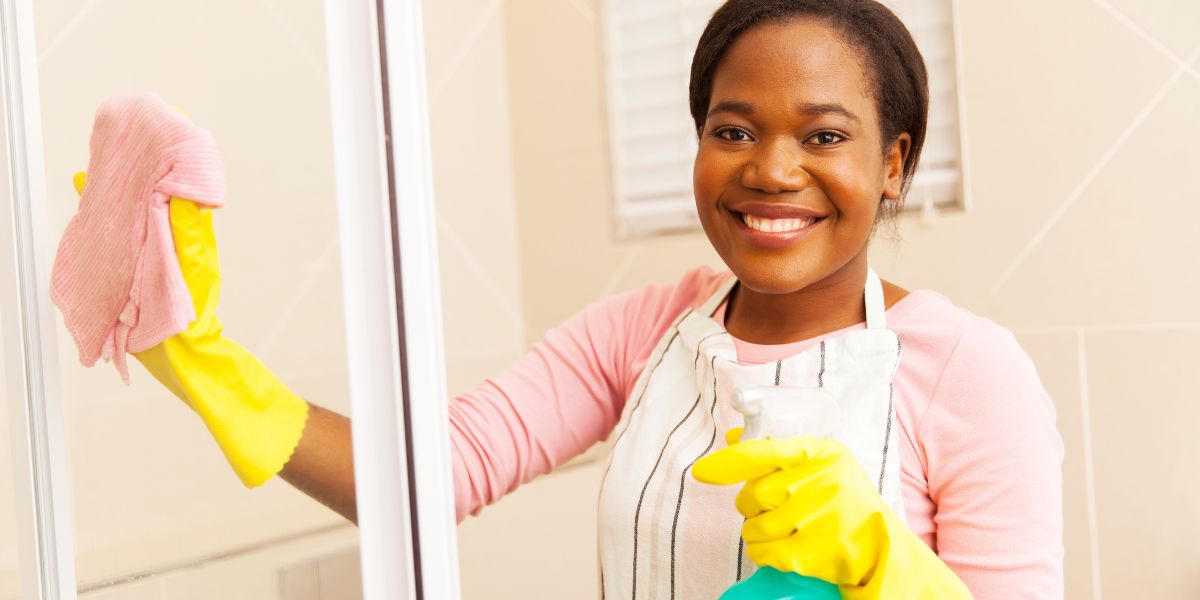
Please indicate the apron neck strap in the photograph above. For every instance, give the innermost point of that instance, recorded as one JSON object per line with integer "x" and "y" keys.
{"x": 873, "y": 296}
{"x": 710, "y": 306}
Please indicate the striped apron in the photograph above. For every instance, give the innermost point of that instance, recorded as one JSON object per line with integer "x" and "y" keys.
{"x": 664, "y": 535}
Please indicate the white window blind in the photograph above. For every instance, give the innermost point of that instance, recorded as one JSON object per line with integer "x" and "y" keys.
{"x": 648, "y": 46}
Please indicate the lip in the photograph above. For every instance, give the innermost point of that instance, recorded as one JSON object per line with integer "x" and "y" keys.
{"x": 776, "y": 210}
{"x": 773, "y": 239}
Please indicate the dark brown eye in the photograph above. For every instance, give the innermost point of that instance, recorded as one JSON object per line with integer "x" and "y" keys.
{"x": 826, "y": 138}
{"x": 731, "y": 134}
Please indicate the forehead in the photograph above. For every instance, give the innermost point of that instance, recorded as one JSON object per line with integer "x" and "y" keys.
{"x": 801, "y": 60}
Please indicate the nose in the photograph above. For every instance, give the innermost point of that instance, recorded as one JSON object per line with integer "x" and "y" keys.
{"x": 776, "y": 167}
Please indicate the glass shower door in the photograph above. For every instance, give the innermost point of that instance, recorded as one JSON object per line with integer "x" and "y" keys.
{"x": 143, "y": 505}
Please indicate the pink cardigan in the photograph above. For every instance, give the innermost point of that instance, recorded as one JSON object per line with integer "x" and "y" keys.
{"x": 980, "y": 456}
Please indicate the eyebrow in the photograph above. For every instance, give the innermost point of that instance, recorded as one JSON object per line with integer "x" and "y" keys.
{"x": 828, "y": 108}
{"x": 809, "y": 108}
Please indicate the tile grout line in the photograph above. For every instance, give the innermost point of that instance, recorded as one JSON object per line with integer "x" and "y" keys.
{"x": 1091, "y": 175}
{"x": 1105, "y": 328}
{"x": 1089, "y": 464}
{"x": 316, "y": 567}
{"x": 161, "y": 572}
{"x": 619, "y": 272}
{"x": 464, "y": 251}
{"x": 310, "y": 279}
{"x": 1154, "y": 42}
{"x": 66, "y": 30}
{"x": 586, "y": 11}
{"x": 464, "y": 48}
{"x": 297, "y": 41}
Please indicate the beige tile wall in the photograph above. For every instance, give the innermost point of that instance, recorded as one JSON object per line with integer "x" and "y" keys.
{"x": 274, "y": 571}
{"x": 473, "y": 181}
{"x": 1082, "y": 128}
{"x": 1143, "y": 413}
{"x": 1083, "y": 240}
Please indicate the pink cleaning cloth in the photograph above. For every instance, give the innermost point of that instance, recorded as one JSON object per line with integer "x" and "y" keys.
{"x": 115, "y": 278}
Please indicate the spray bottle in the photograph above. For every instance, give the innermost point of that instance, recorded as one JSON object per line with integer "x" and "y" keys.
{"x": 780, "y": 413}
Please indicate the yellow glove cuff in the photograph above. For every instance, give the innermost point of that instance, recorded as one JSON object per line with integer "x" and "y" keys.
{"x": 255, "y": 419}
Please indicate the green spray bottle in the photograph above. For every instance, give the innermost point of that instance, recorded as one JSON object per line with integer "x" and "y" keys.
{"x": 782, "y": 412}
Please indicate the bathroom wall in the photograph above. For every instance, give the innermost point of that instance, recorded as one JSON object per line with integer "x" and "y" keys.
{"x": 1081, "y": 238}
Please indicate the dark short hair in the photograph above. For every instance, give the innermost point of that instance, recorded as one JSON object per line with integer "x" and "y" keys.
{"x": 893, "y": 62}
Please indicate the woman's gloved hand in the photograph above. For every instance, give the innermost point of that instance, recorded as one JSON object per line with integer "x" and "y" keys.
{"x": 811, "y": 510}
{"x": 256, "y": 420}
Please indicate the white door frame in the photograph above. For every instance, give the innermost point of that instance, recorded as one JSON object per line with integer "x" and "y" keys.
{"x": 398, "y": 394}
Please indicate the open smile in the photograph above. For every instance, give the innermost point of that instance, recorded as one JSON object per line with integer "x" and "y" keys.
{"x": 774, "y": 232}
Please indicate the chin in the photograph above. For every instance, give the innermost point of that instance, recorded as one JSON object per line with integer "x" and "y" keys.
{"x": 767, "y": 276}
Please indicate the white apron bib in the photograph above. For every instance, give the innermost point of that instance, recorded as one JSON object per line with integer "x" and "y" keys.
{"x": 664, "y": 535}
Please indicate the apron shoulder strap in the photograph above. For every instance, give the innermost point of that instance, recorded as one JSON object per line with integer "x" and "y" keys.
{"x": 710, "y": 306}
{"x": 873, "y": 293}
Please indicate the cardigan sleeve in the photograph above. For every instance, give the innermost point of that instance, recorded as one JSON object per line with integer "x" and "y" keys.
{"x": 994, "y": 461}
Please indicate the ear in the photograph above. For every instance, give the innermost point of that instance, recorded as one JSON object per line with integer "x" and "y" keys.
{"x": 893, "y": 166}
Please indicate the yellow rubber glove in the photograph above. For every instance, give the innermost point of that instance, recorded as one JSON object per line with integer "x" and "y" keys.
{"x": 811, "y": 509}
{"x": 256, "y": 420}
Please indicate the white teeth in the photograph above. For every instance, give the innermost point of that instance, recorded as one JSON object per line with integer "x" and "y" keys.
{"x": 775, "y": 225}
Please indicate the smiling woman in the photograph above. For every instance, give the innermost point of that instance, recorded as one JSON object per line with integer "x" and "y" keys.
{"x": 1024, "y": 254}
{"x": 944, "y": 476}
{"x": 799, "y": 149}
{"x": 808, "y": 131}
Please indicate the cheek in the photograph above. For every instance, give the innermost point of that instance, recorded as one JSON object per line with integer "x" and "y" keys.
{"x": 711, "y": 175}
{"x": 856, "y": 191}
{"x": 708, "y": 175}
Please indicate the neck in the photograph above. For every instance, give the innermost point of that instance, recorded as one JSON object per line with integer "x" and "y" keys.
{"x": 823, "y": 306}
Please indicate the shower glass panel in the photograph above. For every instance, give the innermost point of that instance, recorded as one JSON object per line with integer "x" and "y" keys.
{"x": 129, "y": 495}
{"x": 157, "y": 511}
{"x": 10, "y": 567}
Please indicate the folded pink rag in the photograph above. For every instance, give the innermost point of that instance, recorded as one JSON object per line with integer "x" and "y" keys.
{"x": 116, "y": 279}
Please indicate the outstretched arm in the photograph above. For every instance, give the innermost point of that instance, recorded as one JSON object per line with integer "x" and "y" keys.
{"x": 322, "y": 465}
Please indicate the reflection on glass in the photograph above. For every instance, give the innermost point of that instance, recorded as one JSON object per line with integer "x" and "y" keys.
{"x": 157, "y": 509}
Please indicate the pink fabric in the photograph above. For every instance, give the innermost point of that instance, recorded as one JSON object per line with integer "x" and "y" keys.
{"x": 980, "y": 455}
{"x": 115, "y": 278}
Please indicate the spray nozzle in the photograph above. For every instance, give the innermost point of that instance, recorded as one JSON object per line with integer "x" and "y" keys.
{"x": 782, "y": 412}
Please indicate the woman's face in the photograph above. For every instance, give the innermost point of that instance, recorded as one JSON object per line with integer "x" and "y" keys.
{"x": 791, "y": 170}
